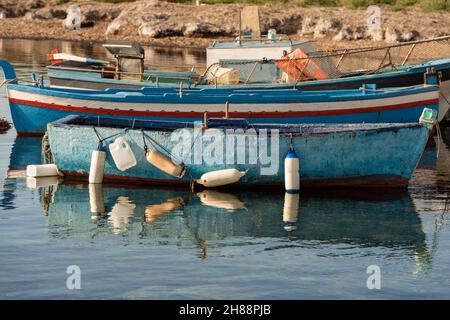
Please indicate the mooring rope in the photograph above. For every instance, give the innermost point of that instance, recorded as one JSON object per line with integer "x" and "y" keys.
{"x": 46, "y": 152}
{"x": 101, "y": 139}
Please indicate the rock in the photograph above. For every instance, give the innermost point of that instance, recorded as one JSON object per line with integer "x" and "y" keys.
{"x": 34, "y": 4}
{"x": 73, "y": 19}
{"x": 20, "y": 8}
{"x": 308, "y": 25}
{"x": 392, "y": 35}
{"x": 199, "y": 29}
{"x": 289, "y": 24}
{"x": 45, "y": 14}
{"x": 326, "y": 26}
{"x": 349, "y": 33}
{"x": 87, "y": 24}
{"x": 95, "y": 15}
{"x": 153, "y": 17}
{"x": 38, "y": 15}
{"x": 360, "y": 33}
{"x": 58, "y": 13}
{"x": 345, "y": 34}
{"x": 125, "y": 17}
{"x": 192, "y": 29}
{"x": 113, "y": 14}
{"x": 2, "y": 15}
{"x": 375, "y": 33}
{"x": 114, "y": 27}
{"x": 154, "y": 30}
{"x": 410, "y": 36}
{"x": 149, "y": 30}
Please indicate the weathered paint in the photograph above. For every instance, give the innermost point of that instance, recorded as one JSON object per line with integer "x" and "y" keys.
{"x": 32, "y": 108}
{"x": 338, "y": 155}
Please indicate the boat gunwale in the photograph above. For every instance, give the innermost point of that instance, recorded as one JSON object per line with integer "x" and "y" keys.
{"x": 220, "y": 123}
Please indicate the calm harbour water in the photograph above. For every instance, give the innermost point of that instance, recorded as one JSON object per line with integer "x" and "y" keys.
{"x": 172, "y": 244}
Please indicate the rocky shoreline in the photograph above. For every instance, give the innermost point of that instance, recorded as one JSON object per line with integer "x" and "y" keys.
{"x": 165, "y": 23}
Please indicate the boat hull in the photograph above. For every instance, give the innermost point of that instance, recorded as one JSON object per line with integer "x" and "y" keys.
{"x": 330, "y": 155}
{"x": 404, "y": 77}
{"x": 32, "y": 108}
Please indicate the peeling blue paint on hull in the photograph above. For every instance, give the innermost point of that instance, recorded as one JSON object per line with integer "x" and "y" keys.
{"x": 365, "y": 155}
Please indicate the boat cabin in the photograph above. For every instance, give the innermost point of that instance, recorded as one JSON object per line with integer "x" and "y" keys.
{"x": 129, "y": 57}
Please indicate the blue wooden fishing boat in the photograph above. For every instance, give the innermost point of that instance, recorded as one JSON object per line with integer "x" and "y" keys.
{"x": 339, "y": 155}
{"x": 32, "y": 107}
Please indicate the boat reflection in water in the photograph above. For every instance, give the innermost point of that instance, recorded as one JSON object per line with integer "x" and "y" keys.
{"x": 24, "y": 151}
{"x": 210, "y": 217}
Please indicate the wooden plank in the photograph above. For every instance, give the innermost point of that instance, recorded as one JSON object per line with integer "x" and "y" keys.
{"x": 250, "y": 21}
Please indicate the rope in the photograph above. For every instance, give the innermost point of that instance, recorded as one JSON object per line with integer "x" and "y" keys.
{"x": 154, "y": 142}
{"x": 6, "y": 81}
{"x": 101, "y": 139}
{"x": 46, "y": 152}
{"x": 439, "y": 139}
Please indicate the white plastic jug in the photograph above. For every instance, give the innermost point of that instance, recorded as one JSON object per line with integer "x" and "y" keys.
{"x": 122, "y": 154}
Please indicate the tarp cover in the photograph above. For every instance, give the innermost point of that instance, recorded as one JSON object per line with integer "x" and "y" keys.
{"x": 298, "y": 67}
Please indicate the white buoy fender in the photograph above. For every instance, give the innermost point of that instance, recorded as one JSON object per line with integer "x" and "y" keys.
{"x": 165, "y": 164}
{"x": 96, "y": 198}
{"x": 97, "y": 166}
{"x": 292, "y": 172}
{"x": 42, "y": 170}
{"x": 220, "y": 200}
{"x": 220, "y": 177}
{"x": 291, "y": 206}
{"x": 122, "y": 154}
{"x": 42, "y": 182}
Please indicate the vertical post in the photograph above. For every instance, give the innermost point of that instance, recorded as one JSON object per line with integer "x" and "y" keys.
{"x": 227, "y": 109}
{"x": 240, "y": 28}
{"x": 205, "y": 120}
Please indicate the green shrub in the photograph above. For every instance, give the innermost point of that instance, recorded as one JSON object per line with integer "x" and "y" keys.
{"x": 435, "y": 5}
{"x": 426, "y": 5}
{"x": 115, "y": 1}
{"x": 401, "y": 4}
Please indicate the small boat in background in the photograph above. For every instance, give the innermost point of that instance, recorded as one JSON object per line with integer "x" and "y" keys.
{"x": 32, "y": 107}
{"x": 340, "y": 155}
{"x": 127, "y": 72}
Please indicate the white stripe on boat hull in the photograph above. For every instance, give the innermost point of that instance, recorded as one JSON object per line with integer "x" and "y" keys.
{"x": 241, "y": 107}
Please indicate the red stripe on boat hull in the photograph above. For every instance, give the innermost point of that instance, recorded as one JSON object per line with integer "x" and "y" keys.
{"x": 194, "y": 114}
